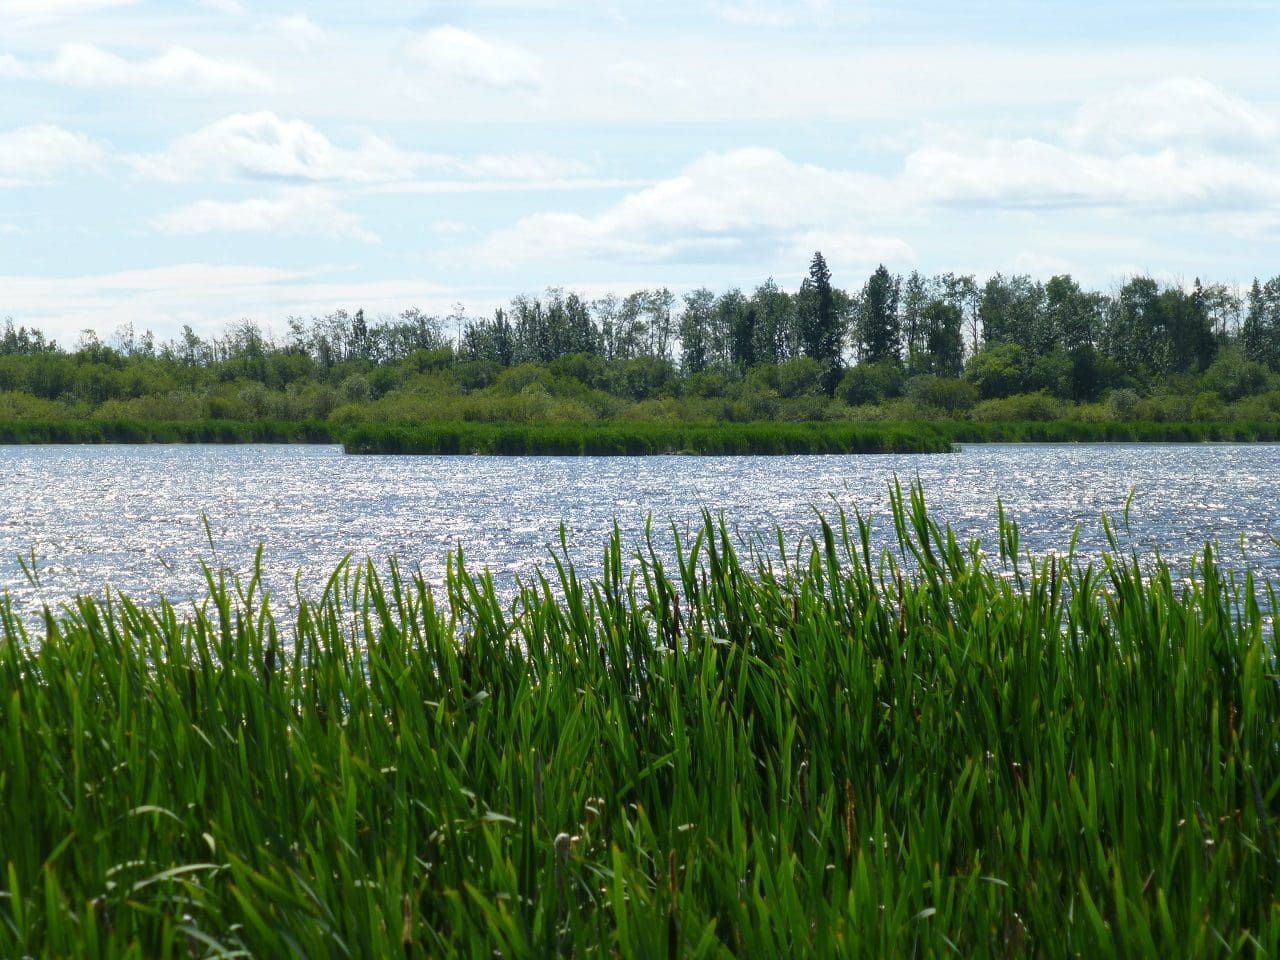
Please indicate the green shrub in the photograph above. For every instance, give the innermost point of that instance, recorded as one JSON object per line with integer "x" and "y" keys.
{"x": 1021, "y": 406}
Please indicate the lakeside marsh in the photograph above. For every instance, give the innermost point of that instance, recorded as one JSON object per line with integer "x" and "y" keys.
{"x": 821, "y": 750}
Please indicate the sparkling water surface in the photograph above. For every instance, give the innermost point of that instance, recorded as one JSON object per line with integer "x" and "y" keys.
{"x": 134, "y": 516}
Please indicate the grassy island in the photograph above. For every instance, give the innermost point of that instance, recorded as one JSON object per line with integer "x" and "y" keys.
{"x": 614, "y": 438}
{"x": 819, "y": 751}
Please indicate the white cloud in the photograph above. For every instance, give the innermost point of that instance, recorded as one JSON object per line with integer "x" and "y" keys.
{"x": 48, "y": 9}
{"x": 11, "y": 230}
{"x": 300, "y": 210}
{"x": 733, "y": 204}
{"x": 44, "y": 151}
{"x": 300, "y": 31}
{"x": 719, "y": 202}
{"x": 83, "y": 64}
{"x": 461, "y": 55}
{"x": 1177, "y": 111}
{"x": 1032, "y": 173}
{"x": 229, "y": 7}
{"x": 263, "y": 145}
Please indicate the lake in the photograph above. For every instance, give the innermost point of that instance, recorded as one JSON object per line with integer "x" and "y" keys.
{"x": 134, "y": 516}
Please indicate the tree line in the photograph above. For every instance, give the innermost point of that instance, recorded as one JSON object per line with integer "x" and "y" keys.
{"x": 945, "y": 342}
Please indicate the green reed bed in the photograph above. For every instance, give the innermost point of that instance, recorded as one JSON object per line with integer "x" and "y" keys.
{"x": 1115, "y": 431}
{"x": 165, "y": 431}
{"x": 609, "y": 439}
{"x": 816, "y": 750}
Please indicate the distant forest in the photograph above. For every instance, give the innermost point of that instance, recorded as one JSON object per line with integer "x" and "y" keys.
{"x": 894, "y": 348}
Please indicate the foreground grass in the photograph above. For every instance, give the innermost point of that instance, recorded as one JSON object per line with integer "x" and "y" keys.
{"x": 816, "y": 752}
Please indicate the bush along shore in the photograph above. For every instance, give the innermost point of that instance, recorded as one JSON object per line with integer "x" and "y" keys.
{"x": 731, "y": 752}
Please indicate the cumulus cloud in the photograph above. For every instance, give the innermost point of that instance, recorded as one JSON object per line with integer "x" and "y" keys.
{"x": 86, "y": 65}
{"x": 458, "y": 54}
{"x": 299, "y": 210}
{"x": 728, "y": 204}
{"x": 1033, "y": 173}
{"x": 262, "y": 145}
{"x": 44, "y": 151}
{"x": 1178, "y": 111}
{"x": 710, "y": 206}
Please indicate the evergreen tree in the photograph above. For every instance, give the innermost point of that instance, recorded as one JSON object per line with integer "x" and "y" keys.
{"x": 879, "y": 334}
{"x": 818, "y": 322}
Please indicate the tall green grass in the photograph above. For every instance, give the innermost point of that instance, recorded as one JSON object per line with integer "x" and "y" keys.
{"x": 609, "y": 439}
{"x": 165, "y": 431}
{"x": 1114, "y": 431}
{"x": 815, "y": 750}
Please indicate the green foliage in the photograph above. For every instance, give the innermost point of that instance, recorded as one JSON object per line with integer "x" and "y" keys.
{"x": 871, "y": 382}
{"x": 1207, "y": 406}
{"x": 1233, "y": 376}
{"x": 801, "y": 376}
{"x": 16, "y": 405}
{"x": 704, "y": 750}
{"x": 772, "y": 355}
{"x": 1021, "y": 406}
{"x": 948, "y": 394}
{"x": 998, "y": 370}
{"x": 878, "y": 327}
{"x": 818, "y": 323}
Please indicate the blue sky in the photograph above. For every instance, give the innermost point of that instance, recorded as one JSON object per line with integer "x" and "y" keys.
{"x": 171, "y": 162}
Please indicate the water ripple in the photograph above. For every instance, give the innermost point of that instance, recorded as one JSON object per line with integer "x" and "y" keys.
{"x": 133, "y": 517}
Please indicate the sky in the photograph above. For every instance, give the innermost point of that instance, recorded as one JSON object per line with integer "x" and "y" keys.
{"x": 195, "y": 162}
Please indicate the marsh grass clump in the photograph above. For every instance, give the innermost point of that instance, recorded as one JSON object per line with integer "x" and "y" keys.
{"x": 709, "y": 751}
{"x": 642, "y": 438}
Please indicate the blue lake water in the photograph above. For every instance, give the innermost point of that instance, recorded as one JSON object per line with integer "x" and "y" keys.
{"x": 133, "y": 516}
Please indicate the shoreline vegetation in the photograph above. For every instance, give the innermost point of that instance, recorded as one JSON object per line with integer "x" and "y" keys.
{"x": 626, "y": 438}
{"x": 901, "y": 362}
{"x": 817, "y": 751}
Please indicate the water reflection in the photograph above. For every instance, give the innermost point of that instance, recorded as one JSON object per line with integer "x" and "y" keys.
{"x": 134, "y": 516}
